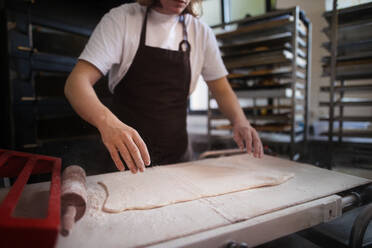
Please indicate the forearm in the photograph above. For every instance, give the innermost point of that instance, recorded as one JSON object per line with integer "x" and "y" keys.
{"x": 243, "y": 133}
{"x": 226, "y": 100}
{"x": 80, "y": 93}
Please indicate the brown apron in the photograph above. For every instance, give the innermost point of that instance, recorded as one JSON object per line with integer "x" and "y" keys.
{"x": 152, "y": 98}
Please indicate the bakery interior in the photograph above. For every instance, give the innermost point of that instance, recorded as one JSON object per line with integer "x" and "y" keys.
{"x": 302, "y": 73}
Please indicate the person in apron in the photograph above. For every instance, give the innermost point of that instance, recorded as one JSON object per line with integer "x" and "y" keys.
{"x": 147, "y": 123}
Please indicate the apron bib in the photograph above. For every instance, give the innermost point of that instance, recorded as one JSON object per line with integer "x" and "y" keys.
{"x": 152, "y": 98}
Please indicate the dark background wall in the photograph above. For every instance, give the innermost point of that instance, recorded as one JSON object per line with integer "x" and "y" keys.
{"x": 39, "y": 45}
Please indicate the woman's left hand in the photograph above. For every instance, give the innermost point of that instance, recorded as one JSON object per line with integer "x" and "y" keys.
{"x": 247, "y": 137}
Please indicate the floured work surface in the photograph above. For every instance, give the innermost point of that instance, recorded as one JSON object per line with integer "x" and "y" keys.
{"x": 138, "y": 228}
{"x": 166, "y": 185}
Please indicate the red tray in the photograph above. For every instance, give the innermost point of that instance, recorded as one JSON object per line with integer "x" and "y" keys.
{"x": 29, "y": 232}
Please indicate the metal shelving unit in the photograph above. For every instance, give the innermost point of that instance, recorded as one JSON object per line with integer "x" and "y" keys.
{"x": 349, "y": 68}
{"x": 43, "y": 49}
{"x": 268, "y": 58}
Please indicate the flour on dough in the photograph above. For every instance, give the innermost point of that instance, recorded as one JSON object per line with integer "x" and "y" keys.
{"x": 165, "y": 185}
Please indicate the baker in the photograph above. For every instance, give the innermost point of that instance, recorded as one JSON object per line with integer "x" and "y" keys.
{"x": 155, "y": 51}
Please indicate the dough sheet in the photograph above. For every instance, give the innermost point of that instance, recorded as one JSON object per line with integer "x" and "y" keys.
{"x": 164, "y": 185}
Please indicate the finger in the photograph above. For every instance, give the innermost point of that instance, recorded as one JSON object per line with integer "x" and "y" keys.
{"x": 248, "y": 140}
{"x": 115, "y": 157}
{"x": 142, "y": 148}
{"x": 261, "y": 150}
{"x": 256, "y": 144}
{"x": 238, "y": 140}
{"x": 127, "y": 158}
{"x": 134, "y": 152}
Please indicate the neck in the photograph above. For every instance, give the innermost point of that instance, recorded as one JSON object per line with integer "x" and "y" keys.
{"x": 164, "y": 11}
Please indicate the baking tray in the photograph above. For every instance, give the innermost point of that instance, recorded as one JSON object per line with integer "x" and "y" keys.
{"x": 283, "y": 71}
{"x": 349, "y": 88}
{"x": 351, "y": 48}
{"x": 354, "y": 70}
{"x": 270, "y": 93}
{"x": 347, "y": 104}
{"x": 265, "y": 58}
{"x": 250, "y": 29}
{"x": 350, "y": 118}
{"x": 359, "y": 12}
{"x": 259, "y": 41}
{"x": 56, "y": 42}
{"x": 352, "y": 32}
{"x": 270, "y": 127}
{"x": 357, "y": 56}
{"x": 269, "y": 40}
{"x": 351, "y": 133}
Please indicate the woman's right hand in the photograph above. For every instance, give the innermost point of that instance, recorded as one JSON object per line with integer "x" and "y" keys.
{"x": 124, "y": 140}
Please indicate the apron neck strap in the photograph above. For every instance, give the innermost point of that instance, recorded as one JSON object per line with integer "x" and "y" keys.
{"x": 184, "y": 44}
{"x": 144, "y": 27}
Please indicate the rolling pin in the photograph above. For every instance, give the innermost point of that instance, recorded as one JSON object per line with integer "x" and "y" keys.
{"x": 73, "y": 197}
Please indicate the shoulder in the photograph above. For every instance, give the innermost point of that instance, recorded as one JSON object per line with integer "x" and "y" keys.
{"x": 199, "y": 26}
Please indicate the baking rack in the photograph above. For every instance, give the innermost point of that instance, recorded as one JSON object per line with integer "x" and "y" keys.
{"x": 349, "y": 68}
{"x": 269, "y": 62}
{"x": 43, "y": 48}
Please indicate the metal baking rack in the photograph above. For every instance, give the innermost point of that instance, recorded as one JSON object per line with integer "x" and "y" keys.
{"x": 268, "y": 58}
{"x": 349, "y": 68}
{"x": 44, "y": 46}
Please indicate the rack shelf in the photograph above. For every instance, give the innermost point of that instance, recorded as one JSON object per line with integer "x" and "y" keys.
{"x": 348, "y": 88}
{"x": 268, "y": 58}
{"x": 349, "y": 15}
{"x": 351, "y": 133}
{"x": 347, "y": 104}
{"x": 349, "y": 118}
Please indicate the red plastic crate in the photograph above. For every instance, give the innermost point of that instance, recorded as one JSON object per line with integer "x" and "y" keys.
{"x": 29, "y": 232}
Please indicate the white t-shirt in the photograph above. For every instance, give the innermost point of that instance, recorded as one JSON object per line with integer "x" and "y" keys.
{"x": 115, "y": 40}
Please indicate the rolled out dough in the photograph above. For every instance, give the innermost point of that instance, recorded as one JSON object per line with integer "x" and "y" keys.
{"x": 165, "y": 185}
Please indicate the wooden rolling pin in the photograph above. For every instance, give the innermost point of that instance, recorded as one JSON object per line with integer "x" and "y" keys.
{"x": 73, "y": 197}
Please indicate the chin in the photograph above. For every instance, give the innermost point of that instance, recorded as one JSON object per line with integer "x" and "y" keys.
{"x": 174, "y": 10}
{"x": 177, "y": 11}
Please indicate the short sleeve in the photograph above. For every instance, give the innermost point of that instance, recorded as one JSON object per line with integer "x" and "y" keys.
{"x": 105, "y": 45}
{"x": 213, "y": 66}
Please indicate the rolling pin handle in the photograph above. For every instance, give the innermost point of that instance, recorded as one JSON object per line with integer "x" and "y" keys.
{"x": 68, "y": 220}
